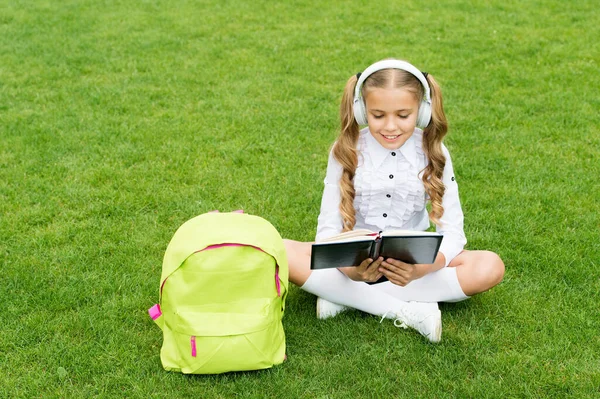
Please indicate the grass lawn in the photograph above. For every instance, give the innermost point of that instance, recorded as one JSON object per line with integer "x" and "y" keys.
{"x": 120, "y": 120}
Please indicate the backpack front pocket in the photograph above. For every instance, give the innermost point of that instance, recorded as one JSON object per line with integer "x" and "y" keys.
{"x": 219, "y": 335}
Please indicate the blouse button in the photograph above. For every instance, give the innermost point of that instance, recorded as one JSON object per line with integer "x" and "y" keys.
{"x": 385, "y": 215}
{"x": 393, "y": 154}
{"x": 388, "y": 195}
{"x": 391, "y": 176}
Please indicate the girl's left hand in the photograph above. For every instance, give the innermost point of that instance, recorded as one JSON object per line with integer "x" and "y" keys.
{"x": 401, "y": 273}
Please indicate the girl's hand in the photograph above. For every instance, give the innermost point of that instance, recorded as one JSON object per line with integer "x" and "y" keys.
{"x": 401, "y": 273}
{"x": 367, "y": 271}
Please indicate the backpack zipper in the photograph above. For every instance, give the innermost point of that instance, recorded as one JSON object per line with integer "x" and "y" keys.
{"x": 277, "y": 284}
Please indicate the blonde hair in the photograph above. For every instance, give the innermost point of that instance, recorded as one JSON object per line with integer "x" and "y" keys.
{"x": 346, "y": 153}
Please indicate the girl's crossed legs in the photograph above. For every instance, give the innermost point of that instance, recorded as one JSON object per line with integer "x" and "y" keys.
{"x": 469, "y": 273}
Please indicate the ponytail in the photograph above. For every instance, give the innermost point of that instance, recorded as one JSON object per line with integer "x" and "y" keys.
{"x": 345, "y": 152}
{"x": 433, "y": 135}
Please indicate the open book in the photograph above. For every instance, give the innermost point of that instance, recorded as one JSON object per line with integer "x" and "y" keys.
{"x": 352, "y": 247}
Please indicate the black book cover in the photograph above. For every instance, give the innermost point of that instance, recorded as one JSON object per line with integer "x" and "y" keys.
{"x": 409, "y": 248}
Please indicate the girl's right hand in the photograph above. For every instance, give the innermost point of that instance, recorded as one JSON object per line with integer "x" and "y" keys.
{"x": 367, "y": 271}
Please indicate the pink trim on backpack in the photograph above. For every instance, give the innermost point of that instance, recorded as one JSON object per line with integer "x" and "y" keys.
{"x": 277, "y": 284}
{"x": 155, "y": 312}
{"x": 220, "y": 246}
{"x": 193, "y": 344}
{"x": 228, "y": 245}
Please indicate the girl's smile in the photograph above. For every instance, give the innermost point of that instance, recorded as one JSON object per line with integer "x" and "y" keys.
{"x": 390, "y": 138}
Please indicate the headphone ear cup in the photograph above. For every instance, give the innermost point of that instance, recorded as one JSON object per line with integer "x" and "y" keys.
{"x": 360, "y": 114}
{"x": 424, "y": 116}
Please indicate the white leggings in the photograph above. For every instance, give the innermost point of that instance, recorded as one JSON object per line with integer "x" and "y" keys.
{"x": 379, "y": 299}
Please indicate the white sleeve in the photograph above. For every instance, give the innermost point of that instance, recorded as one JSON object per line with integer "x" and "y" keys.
{"x": 330, "y": 218}
{"x": 451, "y": 224}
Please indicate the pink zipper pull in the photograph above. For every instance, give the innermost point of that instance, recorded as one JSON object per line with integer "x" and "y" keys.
{"x": 193, "y": 343}
{"x": 277, "y": 284}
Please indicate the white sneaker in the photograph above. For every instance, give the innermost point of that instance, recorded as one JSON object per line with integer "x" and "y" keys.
{"x": 326, "y": 309}
{"x": 424, "y": 317}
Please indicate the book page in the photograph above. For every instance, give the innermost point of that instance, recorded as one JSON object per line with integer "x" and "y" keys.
{"x": 354, "y": 235}
{"x": 399, "y": 233}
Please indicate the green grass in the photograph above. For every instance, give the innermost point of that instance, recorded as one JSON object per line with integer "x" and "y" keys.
{"x": 120, "y": 120}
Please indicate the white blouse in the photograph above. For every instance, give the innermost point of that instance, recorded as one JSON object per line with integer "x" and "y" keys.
{"x": 391, "y": 195}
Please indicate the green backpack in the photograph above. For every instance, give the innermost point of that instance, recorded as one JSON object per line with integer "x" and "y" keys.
{"x": 222, "y": 295}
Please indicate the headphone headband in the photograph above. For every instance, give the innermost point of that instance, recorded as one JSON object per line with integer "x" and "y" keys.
{"x": 392, "y": 64}
{"x": 359, "y": 107}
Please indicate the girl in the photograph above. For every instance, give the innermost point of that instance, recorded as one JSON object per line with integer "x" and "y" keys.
{"x": 381, "y": 178}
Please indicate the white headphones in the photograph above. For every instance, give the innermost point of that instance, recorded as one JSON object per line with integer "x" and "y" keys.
{"x": 360, "y": 109}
